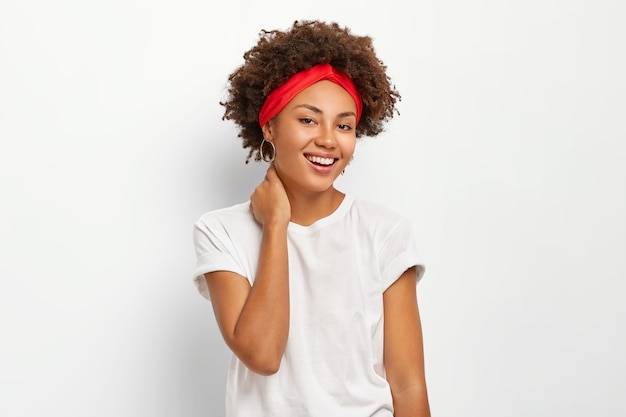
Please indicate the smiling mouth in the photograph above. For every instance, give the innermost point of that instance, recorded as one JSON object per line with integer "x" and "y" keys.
{"x": 318, "y": 160}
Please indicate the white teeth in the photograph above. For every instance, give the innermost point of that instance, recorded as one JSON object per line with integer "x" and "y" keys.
{"x": 320, "y": 160}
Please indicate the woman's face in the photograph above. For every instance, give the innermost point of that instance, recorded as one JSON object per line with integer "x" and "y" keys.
{"x": 314, "y": 136}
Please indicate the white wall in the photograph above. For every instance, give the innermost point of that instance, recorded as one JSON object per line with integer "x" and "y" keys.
{"x": 508, "y": 157}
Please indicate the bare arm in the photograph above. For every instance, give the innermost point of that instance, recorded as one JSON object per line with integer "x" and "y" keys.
{"x": 254, "y": 320}
{"x": 404, "y": 352}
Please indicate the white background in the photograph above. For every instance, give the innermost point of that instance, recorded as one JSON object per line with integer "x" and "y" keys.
{"x": 508, "y": 157}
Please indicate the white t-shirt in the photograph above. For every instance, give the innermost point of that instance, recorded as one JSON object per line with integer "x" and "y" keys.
{"x": 339, "y": 268}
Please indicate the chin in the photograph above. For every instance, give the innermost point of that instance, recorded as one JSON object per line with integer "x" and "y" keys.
{"x": 308, "y": 181}
{"x": 317, "y": 186}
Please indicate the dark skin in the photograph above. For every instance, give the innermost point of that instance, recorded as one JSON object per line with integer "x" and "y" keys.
{"x": 254, "y": 320}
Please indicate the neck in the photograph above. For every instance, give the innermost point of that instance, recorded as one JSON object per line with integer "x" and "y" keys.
{"x": 307, "y": 208}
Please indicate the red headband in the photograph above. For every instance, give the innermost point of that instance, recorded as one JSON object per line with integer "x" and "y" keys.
{"x": 278, "y": 98}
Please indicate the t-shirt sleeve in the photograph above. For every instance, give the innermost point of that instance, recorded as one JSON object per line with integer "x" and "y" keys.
{"x": 398, "y": 253}
{"x": 214, "y": 252}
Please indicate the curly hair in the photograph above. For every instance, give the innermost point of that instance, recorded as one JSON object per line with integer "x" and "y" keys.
{"x": 278, "y": 55}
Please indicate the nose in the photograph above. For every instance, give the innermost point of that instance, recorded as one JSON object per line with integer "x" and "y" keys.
{"x": 326, "y": 137}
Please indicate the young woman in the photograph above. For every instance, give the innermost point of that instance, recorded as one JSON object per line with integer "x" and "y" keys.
{"x": 313, "y": 290}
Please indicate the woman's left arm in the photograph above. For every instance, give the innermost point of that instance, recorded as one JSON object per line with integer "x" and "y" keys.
{"x": 404, "y": 350}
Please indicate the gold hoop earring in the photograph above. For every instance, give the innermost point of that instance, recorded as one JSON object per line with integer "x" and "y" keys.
{"x": 263, "y": 157}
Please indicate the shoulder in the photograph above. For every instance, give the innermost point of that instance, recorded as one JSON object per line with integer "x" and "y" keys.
{"x": 237, "y": 215}
{"x": 377, "y": 222}
{"x": 368, "y": 211}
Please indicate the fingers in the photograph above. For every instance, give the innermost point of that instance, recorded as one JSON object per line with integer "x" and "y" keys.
{"x": 269, "y": 201}
{"x": 271, "y": 173}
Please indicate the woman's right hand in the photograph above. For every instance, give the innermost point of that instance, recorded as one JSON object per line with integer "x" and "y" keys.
{"x": 254, "y": 319}
{"x": 269, "y": 202}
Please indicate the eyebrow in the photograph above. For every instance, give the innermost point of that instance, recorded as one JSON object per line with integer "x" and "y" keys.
{"x": 319, "y": 111}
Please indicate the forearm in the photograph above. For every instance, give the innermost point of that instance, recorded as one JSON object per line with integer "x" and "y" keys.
{"x": 260, "y": 334}
{"x": 404, "y": 349}
{"x": 411, "y": 402}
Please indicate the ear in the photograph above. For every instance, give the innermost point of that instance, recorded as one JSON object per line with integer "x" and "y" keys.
{"x": 267, "y": 131}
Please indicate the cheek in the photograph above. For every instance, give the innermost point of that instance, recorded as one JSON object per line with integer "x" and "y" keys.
{"x": 290, "y": 146}
{"x": 285, "y": 149}
{"x": 287, "y": 155}
{"x": 349, "y": 148}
